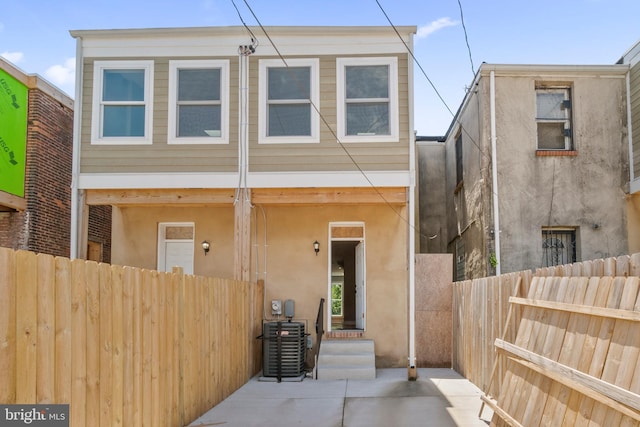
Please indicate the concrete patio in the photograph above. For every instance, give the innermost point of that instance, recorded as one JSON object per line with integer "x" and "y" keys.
{"x": 440, "y": 397}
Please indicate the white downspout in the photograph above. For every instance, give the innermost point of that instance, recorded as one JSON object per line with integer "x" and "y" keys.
{"x": 494, "y": 170}
{"x": 75, "y": 162}
{"x": 412, "y": 225}
{"x": 632, "y": 175}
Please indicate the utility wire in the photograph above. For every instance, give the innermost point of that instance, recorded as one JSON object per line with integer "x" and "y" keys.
{"x": 254, "y": 39}
{"x": 326, "y": 123}
{"x": 424, "y": 73}
{"x": 466, "y": 38}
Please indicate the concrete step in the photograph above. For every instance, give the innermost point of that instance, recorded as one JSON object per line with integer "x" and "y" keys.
{"x": 347, "y": 373}
{"x": 346, "y": 359}
{"x": 346, "y": 346}
{"x": 365, "y": 358}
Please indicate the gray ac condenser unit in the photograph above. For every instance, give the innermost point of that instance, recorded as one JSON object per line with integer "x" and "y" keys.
{"x": 284, "y": 345}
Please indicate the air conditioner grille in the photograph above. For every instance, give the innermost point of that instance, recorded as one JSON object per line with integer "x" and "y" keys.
{"x": 283, "y": 349}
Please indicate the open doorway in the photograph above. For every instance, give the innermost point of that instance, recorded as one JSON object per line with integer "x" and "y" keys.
{"x": 347, "y": 284}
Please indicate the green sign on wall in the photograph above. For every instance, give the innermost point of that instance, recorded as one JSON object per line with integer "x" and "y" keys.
{"x": 13, "y": 134}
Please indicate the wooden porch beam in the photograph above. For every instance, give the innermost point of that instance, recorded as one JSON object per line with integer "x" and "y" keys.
{"x": 182, "y": 197}
{"x": 336, "y": 196}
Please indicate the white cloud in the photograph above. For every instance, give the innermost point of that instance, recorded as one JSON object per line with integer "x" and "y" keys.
{"x": 434, "y": 26}
{"x": 64, "y": 74}
{"x": 14, "y": 57}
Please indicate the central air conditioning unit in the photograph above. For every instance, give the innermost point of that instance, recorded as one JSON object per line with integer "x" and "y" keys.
{"x": 284, "y": 345}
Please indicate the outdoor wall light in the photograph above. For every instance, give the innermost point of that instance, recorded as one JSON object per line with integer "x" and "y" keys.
{"x": 316, "y": 247}
{"x": 205, "y": 247}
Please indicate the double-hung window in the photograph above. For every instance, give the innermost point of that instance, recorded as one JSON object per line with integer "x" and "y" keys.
{"x": 553, "y": 117}
{"x": 122, "y": 102}
{"x": 288, "y": 101}
{"x": 198, "y": 102}
{"x": 367, "y": 99}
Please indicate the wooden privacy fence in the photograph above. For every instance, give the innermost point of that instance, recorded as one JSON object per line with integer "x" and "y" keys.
{"x": 123, "y": 346}
{"x": 481, "y": 314}
{"x": 575, "y": 360}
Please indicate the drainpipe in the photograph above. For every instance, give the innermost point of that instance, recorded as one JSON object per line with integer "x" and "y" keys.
{"x": 632, "y": 174}
{"x": 75, "y": 163}
{"x": 412, "y": 374}
{"x": 494, "y": 170}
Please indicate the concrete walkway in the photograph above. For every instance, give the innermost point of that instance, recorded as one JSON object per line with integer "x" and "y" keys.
{"x": 440, "y": 397}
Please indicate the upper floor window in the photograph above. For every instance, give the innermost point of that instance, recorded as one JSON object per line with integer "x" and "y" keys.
{"x": 198, "y": 102}
{"x": 367, "y": 99}
{"x": 288, "y": 101}
{"x": 122, "y": 102}
{"x": 553, "y": 117}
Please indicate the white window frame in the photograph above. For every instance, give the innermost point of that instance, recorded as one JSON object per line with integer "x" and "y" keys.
{"x": 162, "y": 238}
{"x": 265, "y": 64}
{"x": 392, "y": 63}
{"x": 97, "y": 117}
{"x": 172, "y": 129}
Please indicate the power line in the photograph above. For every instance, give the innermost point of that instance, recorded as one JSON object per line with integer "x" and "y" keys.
{"x": 254, "y": 39}
{"x": 424, "y": 73}
{"x": 466, "y": 38}
{"x": 326, "y": 123}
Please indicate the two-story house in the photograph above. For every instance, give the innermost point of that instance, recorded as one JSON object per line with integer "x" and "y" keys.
{"x": 36, "y": 128}
{"x": 284, "y": 155}
{"x": 536, "y": 164}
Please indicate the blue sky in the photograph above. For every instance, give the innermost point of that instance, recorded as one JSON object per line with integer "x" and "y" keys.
{"x": 34, "y": 34}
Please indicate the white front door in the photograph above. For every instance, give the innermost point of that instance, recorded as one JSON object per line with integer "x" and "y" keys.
{"x": 175, "y": 246}
{"x": 178, "y": 254}
{"x": 360, "y": 286}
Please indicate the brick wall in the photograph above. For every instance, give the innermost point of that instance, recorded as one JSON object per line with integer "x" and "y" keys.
{"x": 46, "y": 224}
{"x": 48, "y": 174}
{"x": 100, "y": 229}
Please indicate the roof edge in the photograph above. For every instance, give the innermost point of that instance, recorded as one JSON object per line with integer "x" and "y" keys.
{"x": 227, "y": 30}
{"x": 36, "y": 81}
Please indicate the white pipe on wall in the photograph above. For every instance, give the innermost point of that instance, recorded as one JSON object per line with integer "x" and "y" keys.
{"x": 75, "y": 162}
{"x": 494, "y": 169}
{"x": 412, "y": 223}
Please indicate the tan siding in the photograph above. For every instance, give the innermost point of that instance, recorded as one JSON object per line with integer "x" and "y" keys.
{"x": 158, "y": 157}
{"x": 635, "y": 116}
{"x": 329, "y": 155}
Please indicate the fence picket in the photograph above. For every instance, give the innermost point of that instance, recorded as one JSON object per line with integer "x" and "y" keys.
{"x": 45, "y": 356}
{"x": 105, "y": 334}
{"x": 117, "y": 349}
{"x": 123, "y": 346}
{"x": 63, "y": 326}
{"x": 7, "y": 326}
{"x": 78, "y": 343}
{"x": 26, "y": 326}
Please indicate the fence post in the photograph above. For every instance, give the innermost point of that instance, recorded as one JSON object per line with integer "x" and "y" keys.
{"x": 178, "y": 275}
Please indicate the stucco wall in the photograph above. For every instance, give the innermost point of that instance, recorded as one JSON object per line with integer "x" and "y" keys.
{"x": 292, "y": 269}
{"x": 583, "y": 191}
{"x": 295, "y": 272}
{"x": 431, "y": 189}
{"x": 468, "y": 205}
{"x": 135, "y": 237}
